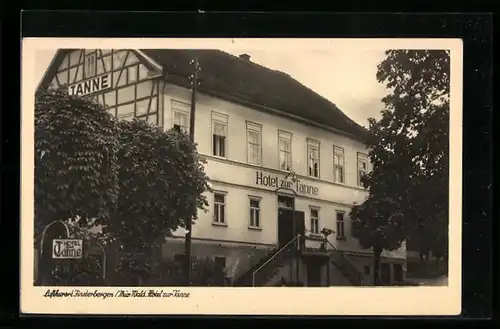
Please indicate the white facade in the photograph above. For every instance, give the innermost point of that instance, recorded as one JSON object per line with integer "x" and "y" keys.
{"x": 235, "y": 174}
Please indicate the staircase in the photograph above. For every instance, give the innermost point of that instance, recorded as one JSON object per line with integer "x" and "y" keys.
{"x": 267, "y": 267}
{"x": 345, "y": 266}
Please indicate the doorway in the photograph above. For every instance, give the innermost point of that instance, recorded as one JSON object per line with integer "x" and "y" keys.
{"x": 286, "y": 218}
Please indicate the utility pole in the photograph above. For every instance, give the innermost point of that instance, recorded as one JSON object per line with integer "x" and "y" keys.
{"x": 187, "y": 243}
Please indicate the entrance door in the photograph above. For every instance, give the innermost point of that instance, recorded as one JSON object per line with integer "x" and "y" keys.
{"x": 285, "y": 226}
{"x": 313, "y": 273}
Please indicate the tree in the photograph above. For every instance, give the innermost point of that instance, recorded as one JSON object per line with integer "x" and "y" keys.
{"x": 131, "y": 182}
{"x": 161, "y": 183}
{"x": 419, "y": 103}
{"x": 378, "y": 224}
{"x": 76, "y": 173}
{"x": 409, "y": 151}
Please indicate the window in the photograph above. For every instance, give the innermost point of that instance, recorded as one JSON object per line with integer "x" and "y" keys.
{"x": 362, "y": 167}
{"x": 220, "y": 262}
{"x": 254, "y": 212}
{"x": 90, "y": 65}
{"x": 219, "y": 134}
{"x": 180, "y": 113}
{"x": 285, "y": 202}
{"x": 178, "y": 126}
{"x": 219, "y": 208}
{"x": 285, "y": 146}
{"x": 313, "y": 158}
{"x": 340, "y": 226}
{"x": 254, "y": 139}
{"x": 338, "y": 164}
{"x": 398, "y": 272}
{"x": 314, "y": 221}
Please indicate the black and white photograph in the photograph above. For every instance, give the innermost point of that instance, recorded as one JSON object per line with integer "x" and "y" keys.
{"x": 240, "y": 166}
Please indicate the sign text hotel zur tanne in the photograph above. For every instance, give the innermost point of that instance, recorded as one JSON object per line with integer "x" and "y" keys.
{"x": 274, "y": 181}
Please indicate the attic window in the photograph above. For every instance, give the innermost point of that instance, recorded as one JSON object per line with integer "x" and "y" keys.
{"x": 245, "y": 57}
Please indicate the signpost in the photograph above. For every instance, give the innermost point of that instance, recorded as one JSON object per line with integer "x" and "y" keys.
{"x": 67, "y": 248}
{"x": 57, "y": 249}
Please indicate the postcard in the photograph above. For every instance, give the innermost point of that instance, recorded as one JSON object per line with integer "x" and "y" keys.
{"x": 241, "y": 176}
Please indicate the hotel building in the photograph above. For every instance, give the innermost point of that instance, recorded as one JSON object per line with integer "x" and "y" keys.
{"x": 282, "y": 160}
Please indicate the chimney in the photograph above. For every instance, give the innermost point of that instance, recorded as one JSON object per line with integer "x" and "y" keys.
{"x": 245, "y": 57}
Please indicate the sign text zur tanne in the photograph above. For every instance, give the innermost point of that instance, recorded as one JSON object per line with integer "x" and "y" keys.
{"x": 274, "y": 181}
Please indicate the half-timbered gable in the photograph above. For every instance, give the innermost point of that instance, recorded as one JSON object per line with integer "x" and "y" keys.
{"x": 117, "y": 78}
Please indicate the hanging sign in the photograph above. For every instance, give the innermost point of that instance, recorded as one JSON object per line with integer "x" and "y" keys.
{"x": 67, "y": 248}
{"x": 90, "y": 86}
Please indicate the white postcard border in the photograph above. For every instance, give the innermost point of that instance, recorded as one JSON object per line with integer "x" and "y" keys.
{"x": 310, "y": 301}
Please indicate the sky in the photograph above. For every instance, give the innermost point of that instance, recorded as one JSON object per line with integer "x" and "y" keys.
{"x": 346, "y": 77}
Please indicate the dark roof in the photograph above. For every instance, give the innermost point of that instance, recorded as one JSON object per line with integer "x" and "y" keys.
{"x": 242, "y": 79}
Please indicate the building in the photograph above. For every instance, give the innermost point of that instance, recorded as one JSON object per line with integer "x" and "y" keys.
{"x": 277, "y": 152}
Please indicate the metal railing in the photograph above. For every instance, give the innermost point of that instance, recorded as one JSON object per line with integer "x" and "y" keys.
{"x": 262, "y": 272}
{"x": 245, "y": 279}
{"x": 345, "y": 266}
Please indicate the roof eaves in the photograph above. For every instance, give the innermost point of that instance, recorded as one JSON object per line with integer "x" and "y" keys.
{"x": 178, "y": 80}
{"x": 149, "y": 60}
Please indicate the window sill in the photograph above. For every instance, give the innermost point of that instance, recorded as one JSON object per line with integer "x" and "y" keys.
{"x": 341, "y": 238}
{"x": 220, "y": 157}
{"x": 219, "y": 224}
{"x": 315, "y": 236}
{"x": 255, "y": 228}
{"x": 313, "y": 177}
